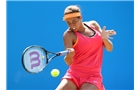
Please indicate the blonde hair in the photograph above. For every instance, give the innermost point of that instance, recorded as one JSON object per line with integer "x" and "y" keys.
{"x": 71, "y": 9}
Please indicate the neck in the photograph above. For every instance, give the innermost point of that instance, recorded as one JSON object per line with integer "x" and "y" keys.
{"x": 81, "y": 28}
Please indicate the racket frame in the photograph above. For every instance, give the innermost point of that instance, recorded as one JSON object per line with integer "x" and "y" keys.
{"x": 47, "y": 58}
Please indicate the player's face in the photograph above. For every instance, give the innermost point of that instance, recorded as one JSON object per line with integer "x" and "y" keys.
{"x": 73, "y": 23}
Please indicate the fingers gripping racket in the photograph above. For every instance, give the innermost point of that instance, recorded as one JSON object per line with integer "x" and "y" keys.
{"x": 36, "y": 58}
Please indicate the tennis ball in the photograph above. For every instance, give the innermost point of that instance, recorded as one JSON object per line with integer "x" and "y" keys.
{"x": 42, "y": 57}
{"x": 55, "y": 72}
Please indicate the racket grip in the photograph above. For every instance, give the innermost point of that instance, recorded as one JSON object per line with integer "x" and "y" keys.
{"x": 61, "y": 53}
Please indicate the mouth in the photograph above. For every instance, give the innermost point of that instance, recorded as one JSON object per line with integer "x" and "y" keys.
{"x": 73, "y": 29}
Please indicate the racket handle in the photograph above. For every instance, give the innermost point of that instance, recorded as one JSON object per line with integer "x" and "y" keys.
{"x": 61, "y": 53}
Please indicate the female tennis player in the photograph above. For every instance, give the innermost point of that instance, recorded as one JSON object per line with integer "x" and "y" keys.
{"x": 85, "y": 42}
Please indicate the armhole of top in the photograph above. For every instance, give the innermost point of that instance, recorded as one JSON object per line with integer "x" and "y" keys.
{"x": 76, "y": 40}
{"x": 89, "y": 26}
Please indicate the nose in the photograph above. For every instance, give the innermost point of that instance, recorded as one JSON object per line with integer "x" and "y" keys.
{"x": 72, "y": 26}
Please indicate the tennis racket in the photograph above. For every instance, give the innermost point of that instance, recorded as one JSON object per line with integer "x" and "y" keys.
{"x": 35, "y": 58}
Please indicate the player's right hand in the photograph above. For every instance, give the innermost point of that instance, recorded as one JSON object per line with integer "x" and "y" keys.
{"x": 71, "y": 52}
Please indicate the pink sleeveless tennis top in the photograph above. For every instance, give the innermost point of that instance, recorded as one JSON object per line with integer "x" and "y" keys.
{"x": 88, "y": 53}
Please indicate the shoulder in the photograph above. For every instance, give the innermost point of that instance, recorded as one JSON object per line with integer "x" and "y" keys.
{"x": 91, "y": 22}
{"x": 94, "y": 25}
{"x": 68, "y": 33}
{"x": 69, "y": 36}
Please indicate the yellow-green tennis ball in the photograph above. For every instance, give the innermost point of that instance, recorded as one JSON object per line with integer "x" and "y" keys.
{"x": 55, "y": 72}
{"x": 42, "y": 57}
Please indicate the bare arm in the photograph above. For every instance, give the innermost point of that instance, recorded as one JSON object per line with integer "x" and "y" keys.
{"x": 68, "y": 43}
{"x": 107, "y": 43}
